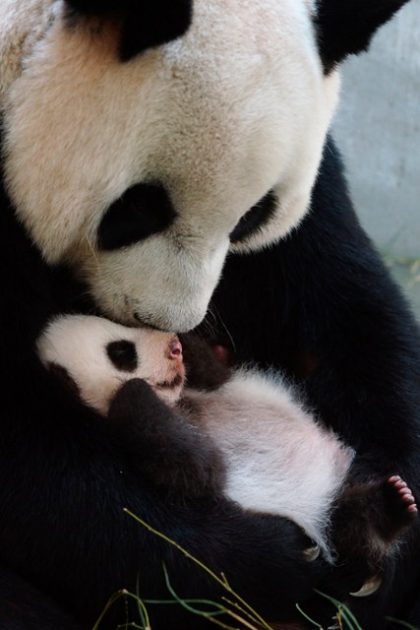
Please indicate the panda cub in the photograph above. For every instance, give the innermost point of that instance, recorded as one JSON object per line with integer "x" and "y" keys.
{"x": 275, "y": 457}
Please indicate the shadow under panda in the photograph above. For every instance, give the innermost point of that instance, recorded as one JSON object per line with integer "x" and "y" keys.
{"x": 240, "y": 432}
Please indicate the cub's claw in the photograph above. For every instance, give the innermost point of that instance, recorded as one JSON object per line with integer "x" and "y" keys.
{"x": 369, "y": 587}
{"x": 312, "y": 553}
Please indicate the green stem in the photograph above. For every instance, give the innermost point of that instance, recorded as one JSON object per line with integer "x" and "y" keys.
{"x": 222, "y": 581}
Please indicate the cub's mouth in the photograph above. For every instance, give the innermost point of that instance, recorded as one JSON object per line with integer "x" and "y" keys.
{"x": 175, "y": 382}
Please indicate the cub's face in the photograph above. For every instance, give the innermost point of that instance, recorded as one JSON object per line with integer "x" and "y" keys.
{"x": 143, "y": 174}
{"x": 99, "y": 356}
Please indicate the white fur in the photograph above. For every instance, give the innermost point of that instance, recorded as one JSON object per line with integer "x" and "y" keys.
{"x": 279, "y": 460}
{"x": 237, "y": 106}
{"x": 78, "y": 343}
{"x": 22, "y": 24}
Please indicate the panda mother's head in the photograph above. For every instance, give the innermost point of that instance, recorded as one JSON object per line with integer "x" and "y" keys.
{"x": 144, "y": 139}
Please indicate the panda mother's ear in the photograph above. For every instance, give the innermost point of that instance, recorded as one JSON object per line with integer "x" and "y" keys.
{"x": 144, "y": 23}
{"x": 346, "y": 27}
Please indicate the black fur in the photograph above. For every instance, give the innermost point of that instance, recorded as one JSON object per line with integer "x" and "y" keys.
{"x": 323, "y": 297}
{"x": 32, "y": 610}
{"x": 202, "y": 370}
{"x": 143, "y": 210}
{"x": 62, "y": 374}
{"x": 368, "y": 523}
{"x": 67, "y": 473}
{"x": 346, "y": 27}
{"x": 144, "y": 23}
{"x": 123, "y": 355}
{"x": 255, "y": 218}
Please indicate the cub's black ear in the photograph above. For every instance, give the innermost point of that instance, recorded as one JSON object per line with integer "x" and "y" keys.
{"x": 144, "y": 23}
{"x": 346, "y": 27}
{"x": 64, "y": 377}
{"x": 204, "y": 371}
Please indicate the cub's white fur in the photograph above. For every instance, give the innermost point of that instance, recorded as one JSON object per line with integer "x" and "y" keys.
{"x": 237, "y": 106}
{"x": 278, "y": 459}
{"x": 79, "y": 342}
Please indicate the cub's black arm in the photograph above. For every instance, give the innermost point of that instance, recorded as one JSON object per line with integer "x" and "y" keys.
{"x": 171, "y": 453}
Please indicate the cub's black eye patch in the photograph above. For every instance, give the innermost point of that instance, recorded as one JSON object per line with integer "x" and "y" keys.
{"x": 123, "y": 355}
{"x": 143, "y": 210}
{"x": 255, "y": 218}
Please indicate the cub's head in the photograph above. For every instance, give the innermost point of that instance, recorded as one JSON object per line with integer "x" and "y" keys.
{"x": 98, "y": 356}
{"x": 144, "y": 139}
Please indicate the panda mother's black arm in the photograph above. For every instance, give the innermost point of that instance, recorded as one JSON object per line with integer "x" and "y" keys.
{"x": 322, "y": 302}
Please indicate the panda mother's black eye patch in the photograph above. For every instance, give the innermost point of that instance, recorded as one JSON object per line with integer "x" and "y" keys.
{"x": 255, "y": 218}
{"x": 123, "y": 355}
{"x": 143, "y": 210}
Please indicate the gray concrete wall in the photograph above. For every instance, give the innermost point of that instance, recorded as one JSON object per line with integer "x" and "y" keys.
{"x": 377, "y": 128}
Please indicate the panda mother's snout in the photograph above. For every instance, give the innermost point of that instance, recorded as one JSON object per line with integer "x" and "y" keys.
{"x": 156, "y": 284}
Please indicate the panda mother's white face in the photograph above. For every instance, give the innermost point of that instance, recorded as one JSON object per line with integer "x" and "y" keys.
{"x": 141, "y": 174}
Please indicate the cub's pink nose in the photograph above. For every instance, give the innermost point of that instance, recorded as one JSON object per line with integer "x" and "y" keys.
{"x": 175, "y": 349}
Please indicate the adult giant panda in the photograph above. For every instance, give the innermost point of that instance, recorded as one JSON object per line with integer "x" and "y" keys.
{"x": 141, "y": 142}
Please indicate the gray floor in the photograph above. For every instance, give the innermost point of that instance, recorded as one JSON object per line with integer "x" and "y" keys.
{"x": 378, "y": 131}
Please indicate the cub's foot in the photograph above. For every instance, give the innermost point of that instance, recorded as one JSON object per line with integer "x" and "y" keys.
{"x": 401, "y": 502}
